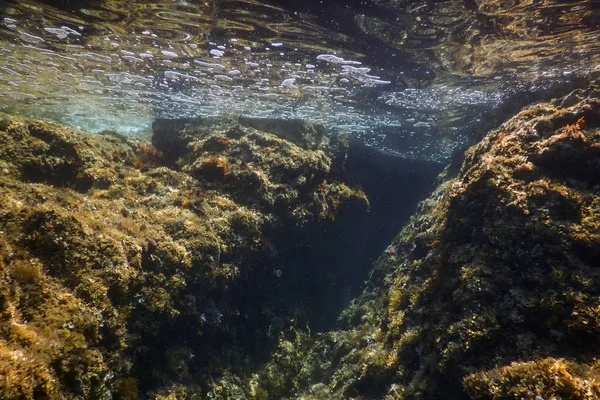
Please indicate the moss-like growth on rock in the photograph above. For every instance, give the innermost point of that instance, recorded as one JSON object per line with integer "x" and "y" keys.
{"x": 548, "y": 378}
{"x": 122, "y": 275}
{"x": 495, "y": 273}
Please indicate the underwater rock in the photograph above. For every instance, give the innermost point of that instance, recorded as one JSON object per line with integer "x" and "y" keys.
{"x": 291, "y": 168}
{"x": 131, "y": 270}
{"x": 300, "y": 132}
{"x": 491, "y": 290}
{"x": 123, "y": 274}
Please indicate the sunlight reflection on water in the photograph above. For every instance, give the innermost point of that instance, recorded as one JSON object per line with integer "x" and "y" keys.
{"x": 119, "y": 65}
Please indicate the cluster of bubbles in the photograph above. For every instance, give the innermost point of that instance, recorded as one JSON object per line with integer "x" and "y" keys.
{"x": 98, "y": 79}
{"x": 118, "y": 65}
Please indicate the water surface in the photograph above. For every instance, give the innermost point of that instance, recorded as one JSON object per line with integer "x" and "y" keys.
{"x": 413, "y": 78}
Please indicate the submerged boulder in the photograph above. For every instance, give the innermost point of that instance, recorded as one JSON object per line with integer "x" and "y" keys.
{"x": 130, "y": 270}
{"x": 288, "y": 168}
{"x": 122, "y": 273}
{"x": 490, "y": 291}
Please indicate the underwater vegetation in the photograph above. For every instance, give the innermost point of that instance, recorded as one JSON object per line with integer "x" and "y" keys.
{"x": 128, "y": 269}
{"x": 491, "y": 290}
{"x": 212, "y": 261}
{"x": 167, "y": 270}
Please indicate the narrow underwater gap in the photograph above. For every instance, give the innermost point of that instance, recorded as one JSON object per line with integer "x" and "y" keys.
{"x": 300, "y": 279}
{"x": 393, "y": 185}
{"x": 321, "y": 269}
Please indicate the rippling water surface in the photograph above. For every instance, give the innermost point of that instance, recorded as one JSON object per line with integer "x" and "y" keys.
{"x": 414, "y": 78}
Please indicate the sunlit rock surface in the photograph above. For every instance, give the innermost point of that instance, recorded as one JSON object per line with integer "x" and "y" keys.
{"x": 491, "y": 289}
{"x": 122, "y": 273}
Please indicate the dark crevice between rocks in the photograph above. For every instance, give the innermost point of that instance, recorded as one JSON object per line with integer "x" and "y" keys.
{"x": 320, "y": 268}
{"x": 393, "y": 185}
{"x": 341, "y": 254}
{"x": 302, "y": 276}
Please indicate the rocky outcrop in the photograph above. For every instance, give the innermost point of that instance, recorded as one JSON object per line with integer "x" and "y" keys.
{"x": 491, "y": 290}
{"x": 130, "y": 270}
{"x": 123, "y": 273}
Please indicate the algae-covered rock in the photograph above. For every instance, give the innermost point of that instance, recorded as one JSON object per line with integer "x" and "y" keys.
{"x": 177, "y": 271}
{"x": 548, "y": 378}
{"x": 491, "y": 290}
{"x": 286, "y": 168}
{"x": 123, "y": 274}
